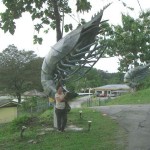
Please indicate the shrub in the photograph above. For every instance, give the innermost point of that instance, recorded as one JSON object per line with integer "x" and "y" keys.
{"x": 21, "y": 121}
{"x": 47, "y": 117}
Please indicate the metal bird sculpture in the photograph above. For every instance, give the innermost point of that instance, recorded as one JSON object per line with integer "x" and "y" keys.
{"x": 70, "y": 55}
{"x": 135, "y": 75}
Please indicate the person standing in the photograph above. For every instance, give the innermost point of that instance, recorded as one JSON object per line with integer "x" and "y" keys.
{"x": 60, "y": 108}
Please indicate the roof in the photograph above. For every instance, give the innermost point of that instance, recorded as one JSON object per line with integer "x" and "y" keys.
{"x": 83, "y": 94}
{"x": 7, "y": 103}
{"x": 113, "y": 87}
{"x": 34, "y": 93}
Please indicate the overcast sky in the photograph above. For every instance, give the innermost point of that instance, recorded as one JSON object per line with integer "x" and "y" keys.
{"x": 23, "y": 37}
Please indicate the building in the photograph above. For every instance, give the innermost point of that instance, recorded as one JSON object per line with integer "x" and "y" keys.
{"x": 8, "y": 110}
{"x": 34, "y": 93}
{"x": 111, "y": 90}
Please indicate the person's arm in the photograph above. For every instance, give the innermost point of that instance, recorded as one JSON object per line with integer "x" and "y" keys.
{"x": 67, "y": 95}
{"x": 60, "y": 98}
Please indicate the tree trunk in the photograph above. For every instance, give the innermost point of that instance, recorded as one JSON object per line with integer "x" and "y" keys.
{"x": 18, "y": 97}
{"x": 58, "y": 22}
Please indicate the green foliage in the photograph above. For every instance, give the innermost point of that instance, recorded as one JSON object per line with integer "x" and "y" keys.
{"x": 33, "y": 69}
{"x": 21, "y": 121}
{"x": 29, "y": 102}
{"x": 45, "y": 14}
{"x": 37, "y": 40}
{"x": 19, "y": 70}
{"x": 130, "y": 41}
{"x": 46, "y": 118}
{"x": 95, "y": 78}
{"x": 68, "y": 27}
{"x": 83, "y": 5}
{"x": 33, "y": 106}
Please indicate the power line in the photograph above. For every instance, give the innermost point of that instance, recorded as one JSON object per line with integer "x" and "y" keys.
{"x": 139, "y": 5}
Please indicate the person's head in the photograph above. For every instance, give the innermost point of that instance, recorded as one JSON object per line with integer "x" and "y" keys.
{"x": 59, "y": 88}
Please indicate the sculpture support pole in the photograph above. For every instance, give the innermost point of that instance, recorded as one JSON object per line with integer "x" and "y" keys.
{"x": 54, "y": 118}
{"x": 52, "y": 103}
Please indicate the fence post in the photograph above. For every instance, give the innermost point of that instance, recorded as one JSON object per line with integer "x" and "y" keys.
{"x": 99, "y": 102}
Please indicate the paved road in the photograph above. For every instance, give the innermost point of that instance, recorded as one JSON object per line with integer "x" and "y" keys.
{"x": 77, "y": 103}
{"x": 135, "y": 119}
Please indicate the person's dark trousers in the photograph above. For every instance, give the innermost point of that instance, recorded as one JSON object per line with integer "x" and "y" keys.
{"x": 61, "y": 119}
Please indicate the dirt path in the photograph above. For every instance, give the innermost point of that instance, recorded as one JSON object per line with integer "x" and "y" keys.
{"x": 135, "y": 119}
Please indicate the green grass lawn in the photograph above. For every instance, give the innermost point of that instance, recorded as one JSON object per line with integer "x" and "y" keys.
{"x": 105, "y": 133}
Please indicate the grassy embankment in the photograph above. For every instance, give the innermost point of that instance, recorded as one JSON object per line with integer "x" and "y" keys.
{"x": 139, "y": 97}
{"x": 104, "y": 133}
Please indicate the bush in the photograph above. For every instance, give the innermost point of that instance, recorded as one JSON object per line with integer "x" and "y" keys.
{"x": 21, "y": 121}
{"x": 29, "y": 102}
{"x": 46, "y": 118}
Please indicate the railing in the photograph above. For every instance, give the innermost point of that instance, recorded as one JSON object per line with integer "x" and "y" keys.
{"x": 97, "y": 101}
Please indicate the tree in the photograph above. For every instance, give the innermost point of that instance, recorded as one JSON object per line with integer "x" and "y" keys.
{"x": 33, "y": 69}
{"x": 95, "y": 78}
{"x": 130, "y": 41}
{"x": 46, "y": 13}
{"x": 15, "y": 75}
